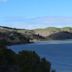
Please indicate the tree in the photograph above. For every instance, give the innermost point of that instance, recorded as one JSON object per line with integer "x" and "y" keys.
{"x": 7, "y": 56}
{"x": 3, "y": 42}
{"x": 24, "y": 61}
{"x": 30, "y": 62}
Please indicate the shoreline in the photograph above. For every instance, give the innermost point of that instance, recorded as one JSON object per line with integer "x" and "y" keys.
{"x": 19, "y": 43}
{"x": 47, "y": 42}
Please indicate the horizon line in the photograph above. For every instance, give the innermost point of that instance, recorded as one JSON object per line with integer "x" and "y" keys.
{"x": 38, "y": 28}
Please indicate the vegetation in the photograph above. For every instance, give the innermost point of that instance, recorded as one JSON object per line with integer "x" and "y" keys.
{"x": 24, "y": 61}
{"x": 3, "y": 42}
{"x": 60, "y": 36}
{"x": 51, "y": 30}
{"x": 16, "y": 36}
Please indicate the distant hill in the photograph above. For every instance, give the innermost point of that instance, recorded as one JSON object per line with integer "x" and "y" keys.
{"x": 14, "y": 35}
{"x": 51, "y": 30}
{"x": 60, "y": 36}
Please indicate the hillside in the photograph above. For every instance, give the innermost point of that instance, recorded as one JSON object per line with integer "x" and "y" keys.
{"x": 51, "y": 30}
{"x": 15, "y": 36}
{"x": 12, "y": 36}
{"x": 60, "y": 36}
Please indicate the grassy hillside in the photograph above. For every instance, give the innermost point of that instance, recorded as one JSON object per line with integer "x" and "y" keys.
{"x": 13, "y": 35}
{"x": 50, "y": 30}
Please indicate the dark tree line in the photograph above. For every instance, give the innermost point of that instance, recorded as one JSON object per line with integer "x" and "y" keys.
{"x": 24, "y": 61}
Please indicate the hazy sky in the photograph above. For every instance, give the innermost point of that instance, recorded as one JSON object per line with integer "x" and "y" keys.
{"x": 24, "y": 13}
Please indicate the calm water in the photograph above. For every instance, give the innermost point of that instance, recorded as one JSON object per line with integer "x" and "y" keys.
{"x": 59, "y": 53}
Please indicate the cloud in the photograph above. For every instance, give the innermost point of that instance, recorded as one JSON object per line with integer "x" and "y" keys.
{"x": 3, "y": 0}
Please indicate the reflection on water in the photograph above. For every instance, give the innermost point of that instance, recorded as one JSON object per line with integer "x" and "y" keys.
{"x": 58, "y": 52}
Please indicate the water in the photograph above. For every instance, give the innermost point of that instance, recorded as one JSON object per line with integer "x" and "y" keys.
{"x": 59, "y": 53}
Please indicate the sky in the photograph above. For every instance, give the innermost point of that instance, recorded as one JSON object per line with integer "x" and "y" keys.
{"x": 35, "y": 13}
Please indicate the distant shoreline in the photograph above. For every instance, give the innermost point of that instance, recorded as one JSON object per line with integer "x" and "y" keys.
{"x": 48, "y": 42}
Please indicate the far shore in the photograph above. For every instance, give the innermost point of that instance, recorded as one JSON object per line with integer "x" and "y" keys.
{"x": 19, "y": 43}
{"x": 49, "y": 42}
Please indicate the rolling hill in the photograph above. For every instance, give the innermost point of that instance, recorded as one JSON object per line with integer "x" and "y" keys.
{"x": 14, "y": 35}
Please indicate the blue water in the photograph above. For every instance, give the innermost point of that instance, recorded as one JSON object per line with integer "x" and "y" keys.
{"x": 58, "y": 53}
